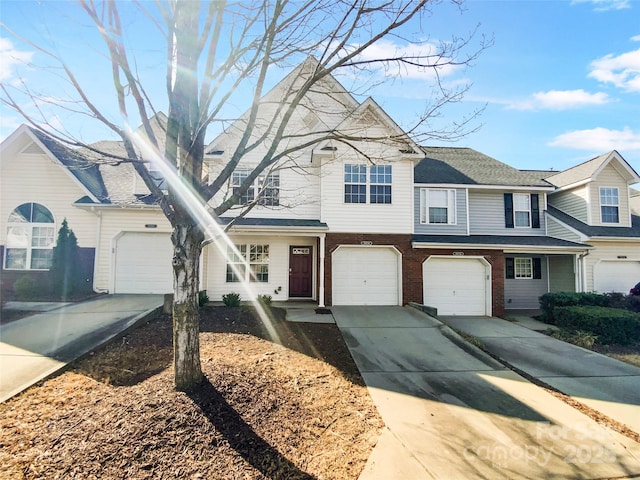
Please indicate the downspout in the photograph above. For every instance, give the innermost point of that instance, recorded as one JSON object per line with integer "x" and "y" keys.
{"x": 95, "y": 256}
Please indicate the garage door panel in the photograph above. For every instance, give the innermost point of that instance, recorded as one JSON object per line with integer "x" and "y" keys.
{"x": 616, "y": 276}
{"x": 143, "y": 263}
{"x": 365, "y": 276}
{"x": 455, "y": 286}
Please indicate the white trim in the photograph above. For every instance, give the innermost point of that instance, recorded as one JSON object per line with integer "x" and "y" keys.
{"x": 452, "y": 217}
{"x": 589, "y": 205}
{"x": 506, "y": 188}
{"x": 321, "y": 251}
{"x": 466, "y": 192}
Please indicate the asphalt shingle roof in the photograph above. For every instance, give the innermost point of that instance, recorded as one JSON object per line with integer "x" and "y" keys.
{"x": 80, "y": 166}
{"x": 598, "y": 231}
{"x": 579, "y": 173}
{"x": 275, "y": 222}
{"x": 465, "y": 166}
{"x": 506, "y": 240}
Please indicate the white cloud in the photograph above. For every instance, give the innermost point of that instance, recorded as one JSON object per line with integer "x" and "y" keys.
{"x": 622, "y": 70}
{"x": 598, "y": 140}
{"x": 560, "y": 100}
{"x": 11, "y": 57}
{"x": 422, "y": 53}
{"x": 604, "y": 5}
{"x": 635, "y": 38}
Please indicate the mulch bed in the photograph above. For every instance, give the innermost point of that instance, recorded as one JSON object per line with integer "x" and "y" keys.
{"x": 293, "y": 407}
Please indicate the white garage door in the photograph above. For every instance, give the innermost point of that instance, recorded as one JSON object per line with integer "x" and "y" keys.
{"x": 365, "y": 276}
{"x": 616, "y": 276}
{"x": 143, "y": 263}
{"x": 455, "y": 286}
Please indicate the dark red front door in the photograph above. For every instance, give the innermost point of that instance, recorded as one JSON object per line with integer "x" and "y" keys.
{"x": 300, "y": 271}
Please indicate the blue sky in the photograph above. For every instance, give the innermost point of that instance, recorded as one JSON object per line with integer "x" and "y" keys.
{"x": 561, "y": 82}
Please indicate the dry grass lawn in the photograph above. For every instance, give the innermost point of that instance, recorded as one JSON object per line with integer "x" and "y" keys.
{"x": 295, "y": 408}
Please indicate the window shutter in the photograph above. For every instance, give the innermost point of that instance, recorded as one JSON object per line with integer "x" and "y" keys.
{"x": 537, "y": 268}
{"x": 508, "y": 210}
{"x": 423, "y": 205}
{"x": 510, "y": 267}
{"x": 535, "y": 210}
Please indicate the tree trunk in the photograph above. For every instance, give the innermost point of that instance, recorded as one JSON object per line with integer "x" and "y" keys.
{"x": 187, "y": 246}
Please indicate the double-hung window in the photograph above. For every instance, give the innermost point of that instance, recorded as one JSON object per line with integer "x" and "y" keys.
{"x": 248, "y": 263}
{"x": 378, "y": 183}
{"x": 437, "y": 206}
{"x": 30, "y": 238}
{"x": 609, "y": 205}
{"x": 265, "y": 189}
{"x": 355, "y": 183}
{"x": 521, "y": 210}
{"x": 238, "y": 177}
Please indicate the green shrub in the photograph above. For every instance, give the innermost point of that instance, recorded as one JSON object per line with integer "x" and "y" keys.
{"x": 264, "y": 300}
{"x": 610, "y": 325}
{"x": 231, "y": 299}
{"x": 203, "y": 298}
{"x": 549, "y": 301}
{"x": 580, "y": 338}
{"x": 26, "y": 288}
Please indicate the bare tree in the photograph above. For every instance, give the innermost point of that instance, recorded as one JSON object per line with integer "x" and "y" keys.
{"x": 212, "y": 49}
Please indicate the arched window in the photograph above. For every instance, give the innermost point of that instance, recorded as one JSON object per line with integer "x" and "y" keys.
{"x": 30, "y": 238}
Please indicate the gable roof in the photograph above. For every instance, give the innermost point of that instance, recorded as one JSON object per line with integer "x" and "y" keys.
{"x": 597, "y": 231}
{"x": 85, "y": 171}
{"x": 586, "y": 171}
{"x": 459, "y": 165}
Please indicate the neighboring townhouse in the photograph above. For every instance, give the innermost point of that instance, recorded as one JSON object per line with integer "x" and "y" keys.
{"x": 593, "y": 203}
{"x": 336, "y": 217}
{"x": 123, "y": 237}
{"x": 480, "y": 240}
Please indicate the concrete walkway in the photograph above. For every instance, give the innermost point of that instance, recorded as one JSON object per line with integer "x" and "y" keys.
{"x": 452, "y": 412}
{"x": 603, "y": 383}
{"x": 34, "y": 347}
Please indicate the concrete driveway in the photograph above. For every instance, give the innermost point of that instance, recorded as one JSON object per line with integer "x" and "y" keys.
{"x": 453, "y": 412}
{"x": 34, "y": 347}
{"x": 603, "y": 383}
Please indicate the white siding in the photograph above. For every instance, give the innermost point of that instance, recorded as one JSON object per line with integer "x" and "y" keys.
{"x": 609, "y": 177}
{"x": 299, "y": 191}
{"x": 114, "y": 221}
{"x": 572, "y": 202}
{"x": 486, "y": 212}
{"x": 36, "y": 178}
{"x": 216, "y": 267}
{"x": 396, "y": 217}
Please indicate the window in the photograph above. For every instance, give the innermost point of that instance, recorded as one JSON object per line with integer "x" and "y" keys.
{"x": 609, "y": 204}
{"x": 523, "y": 268}
{"x": 269, "y": 190}
{"x": 437, "y": 206}
{"x": 380, "y": 179}
{"x": 266, "y": 188}
{"x": 30, "y": 238}
{"x": 379, "y": 183}
{"x": 355, "y": 184}
{"x": 236, "y": 262}
{"x": 521, "y": 210}
{"x": 255, "y": 257}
